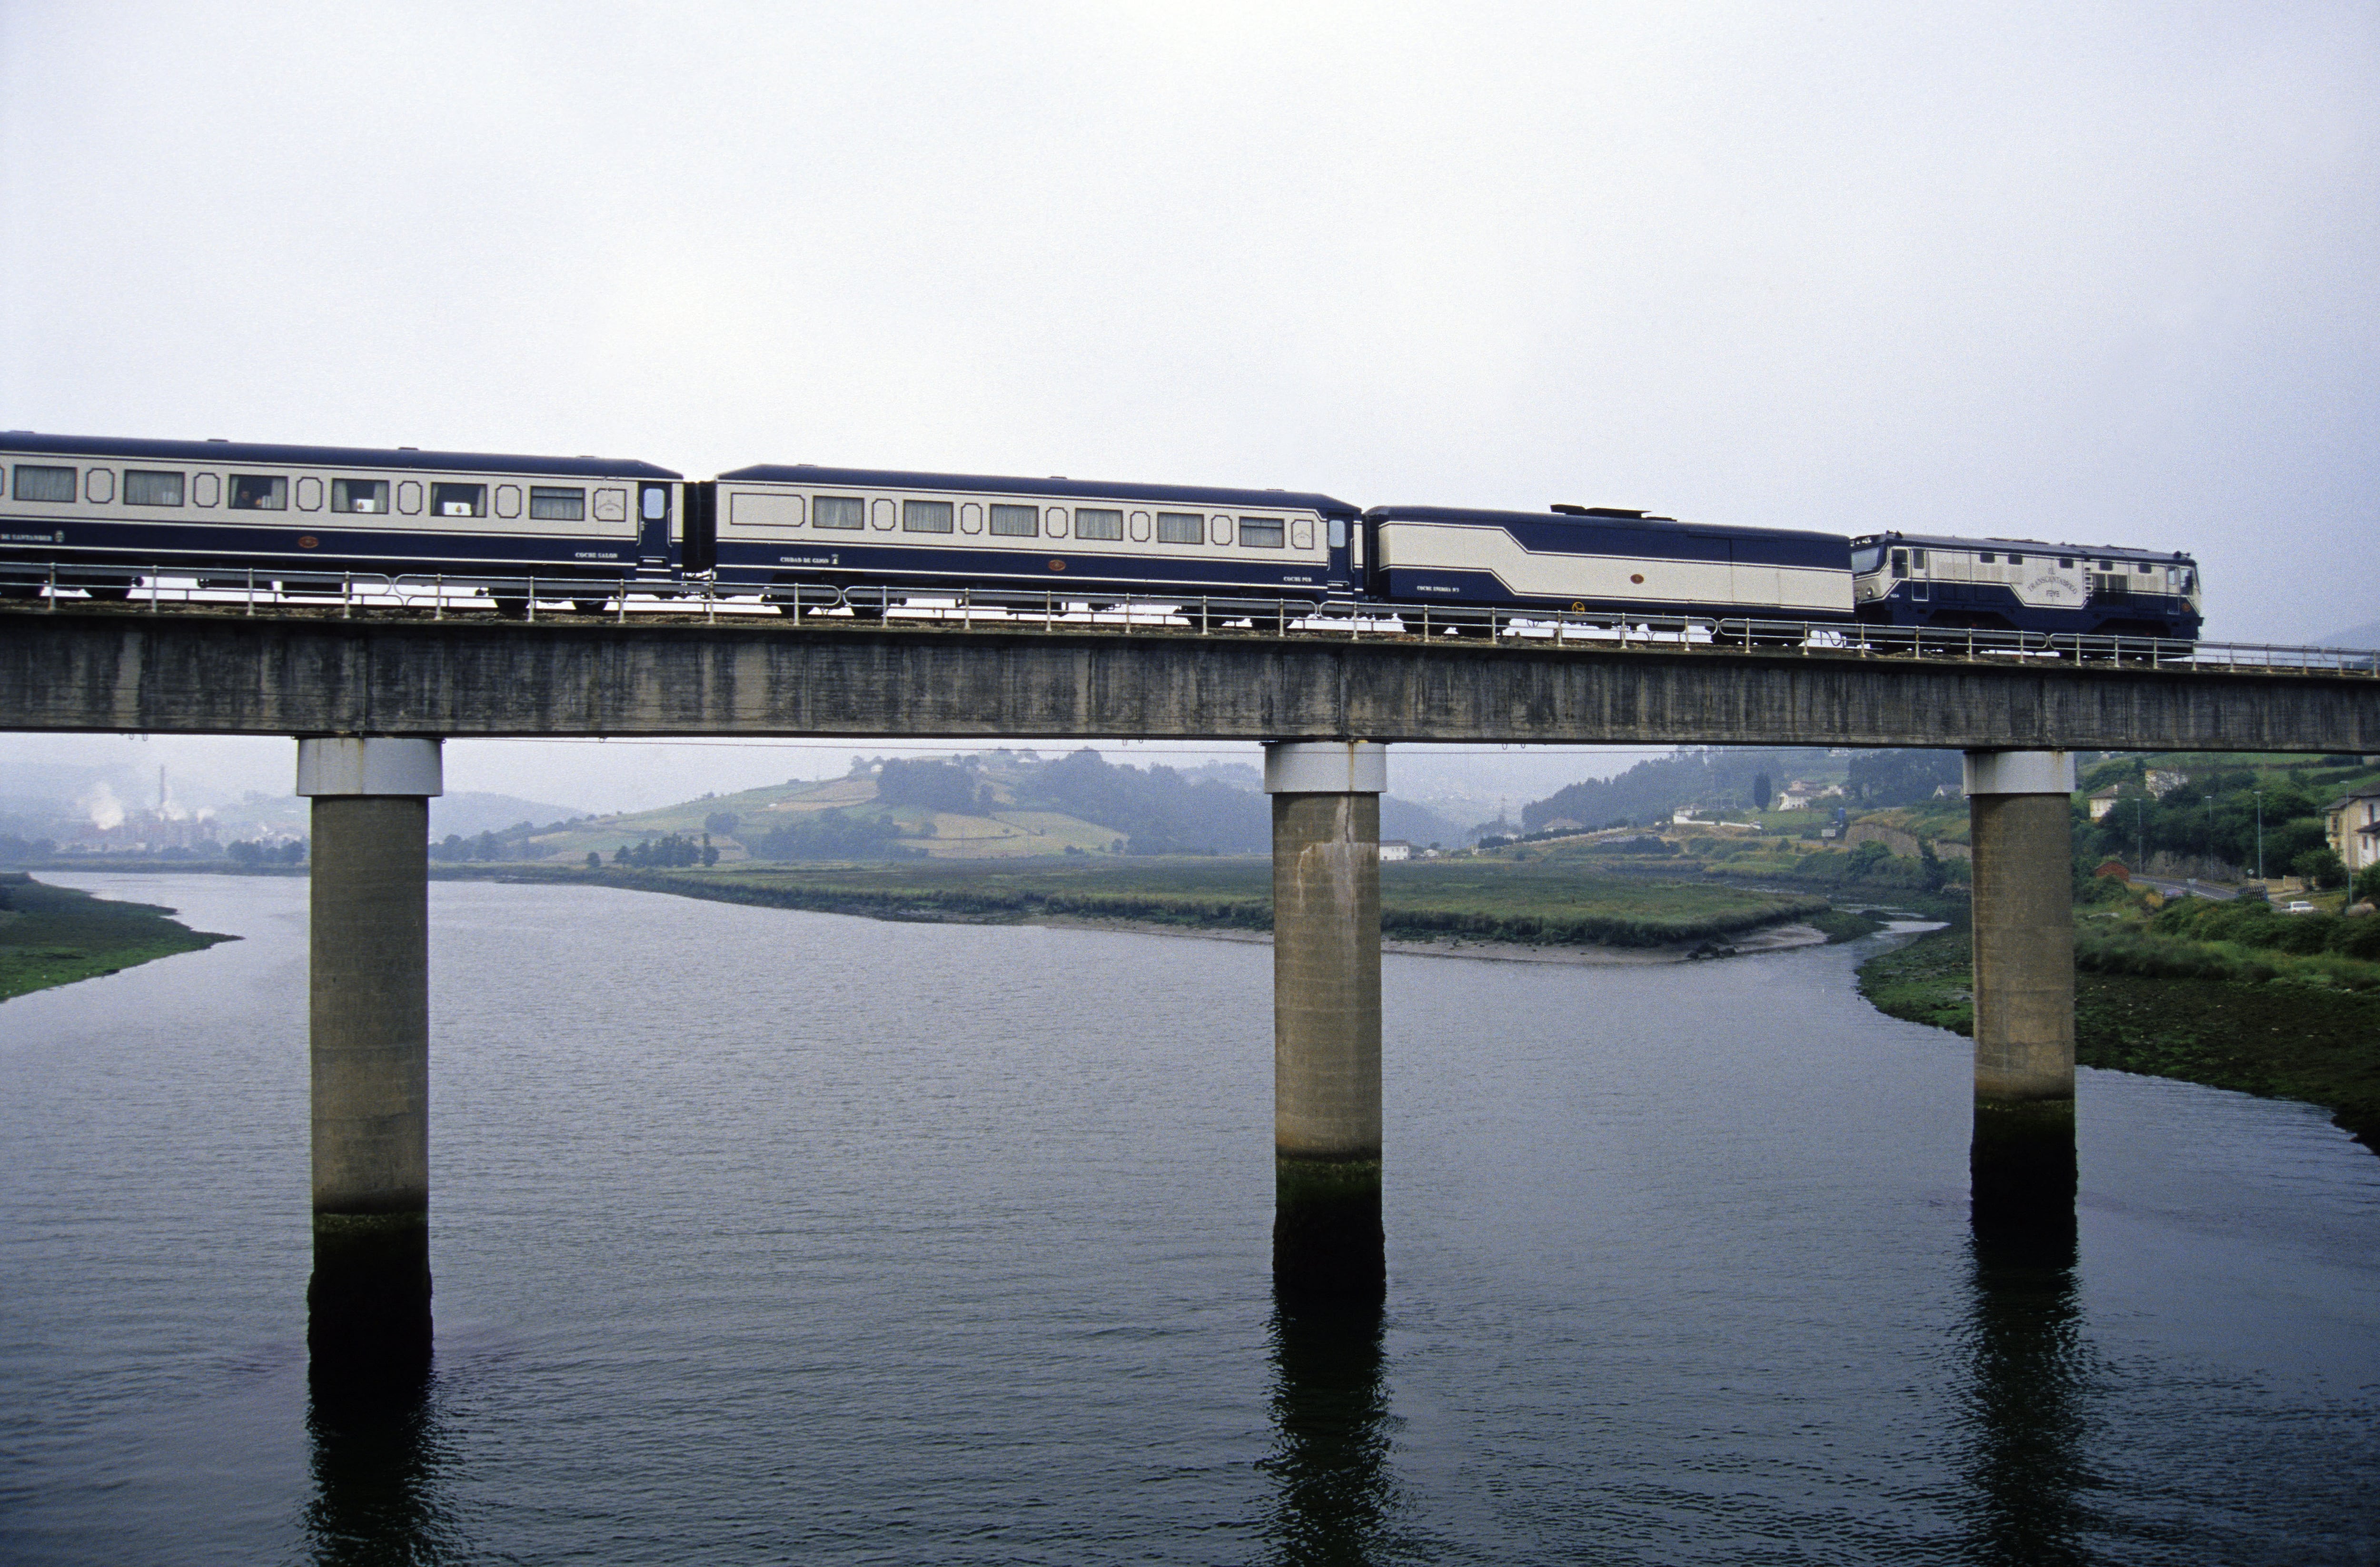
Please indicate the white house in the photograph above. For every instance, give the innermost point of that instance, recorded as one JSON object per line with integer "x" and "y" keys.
{"x": 2353, "y": 829}
{"x": 1395, "y": 849}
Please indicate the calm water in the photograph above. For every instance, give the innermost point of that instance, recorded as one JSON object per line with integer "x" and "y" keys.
{"x": 768, "y": 1236}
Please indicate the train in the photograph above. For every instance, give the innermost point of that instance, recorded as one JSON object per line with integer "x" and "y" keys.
{"x": 99, "y": 515}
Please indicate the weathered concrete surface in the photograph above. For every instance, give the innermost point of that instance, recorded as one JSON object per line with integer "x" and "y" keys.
{"x": 368, "y": 1304}
{"x": 1328, "y": 1239}
{"x": 2021, "y": 1160}
{"x": 223, "y": 674}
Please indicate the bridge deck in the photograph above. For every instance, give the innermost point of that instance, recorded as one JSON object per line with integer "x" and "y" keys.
{"x": 209, "y": 669}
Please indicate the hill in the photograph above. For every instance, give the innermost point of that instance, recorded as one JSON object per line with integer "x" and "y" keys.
{"x": 1000, "y": 804}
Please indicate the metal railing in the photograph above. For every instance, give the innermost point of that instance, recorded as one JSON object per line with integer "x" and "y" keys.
{"x": 823, "y": 606}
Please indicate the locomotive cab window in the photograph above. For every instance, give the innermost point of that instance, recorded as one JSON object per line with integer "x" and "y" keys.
{"x": 359, "y": 495}
{"x": 842, "y": 512}
{"x": 143, "y": 487}
{"x": 1016, "y": 522}
{"x": 1262, "y": 533}
{"x": 925, "y": 516}
{"x": 1901, "y": 563}
{"x": 1180, "y": 527}
{"x": 551, "y": 505}
{"x": 1098, "y": 522}
{"x": 40, "y": 482}
{"x": 259, "y": 492}
{"x": 458, "y": 499}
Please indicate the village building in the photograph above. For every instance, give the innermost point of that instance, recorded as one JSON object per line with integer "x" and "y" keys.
{"x": 2352, "y": 824}
{"x": 1393, "y": 848}
{"x": 2102, "y": 800}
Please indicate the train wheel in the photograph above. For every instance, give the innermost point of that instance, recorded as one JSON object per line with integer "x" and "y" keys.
{"x": 590, "y": 605}
{"x": 510, "y": 607}
{"x": 110, "y": 593}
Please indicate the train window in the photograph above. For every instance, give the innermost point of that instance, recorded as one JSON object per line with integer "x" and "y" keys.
{"x": 40, "y": 482}
{"x": 551, "y": 505}
{"x": 1987, "y": 556}
{"x": 838, "y": 512}
{"x": 1867, "y": 558}
{"x": 1917, "y": 558}
{"x": 2066, "y": 562}
{"x": 1098, "y": 522}
{"x": 1016, "y": 522}
{"x": 2147, "y": 570}
{"x": 2016, "y": 560}
{"x": 458, "y": 499}
{"x": 359, "y": 495}
{"x": 1338, "y": 533}
{"x": 259, "y": 492}
{"x": 1180, "y": 527}
{"x": 1261, "y": 533}
{"x": 143, "y": 487}
{"x": 1901, "y": 563}
{"x": 925, "y": 516}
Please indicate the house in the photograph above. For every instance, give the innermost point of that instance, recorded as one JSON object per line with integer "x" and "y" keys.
{"x": 2352, "y": 826}
{"x": 2102, "y": 800}
{"x": 1393, "y": 849}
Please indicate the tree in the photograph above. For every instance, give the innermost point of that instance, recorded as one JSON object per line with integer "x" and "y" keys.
{"x": 723, "y": 823}
{"x": 594, "y": 859}
{"x": 2320, "y": 867}
{"x": 1760, "y": 791}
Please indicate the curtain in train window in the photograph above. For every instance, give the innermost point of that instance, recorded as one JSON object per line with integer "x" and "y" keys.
{"x": 1261, "y": 533}
{"x": 144, "y": 486}
{"x": 40, "y": 482}
{"x": 1016, "y": 522}
{"x": 1180, "y": 527}
{"x": 838, "y": 512}
{"x": 925, "y": 516}
{"x": 1098, "y": 522}
{"x": 259, "y": 492}
{"x": 458, "y": 499}
{"x": 548, "y": 504}
{"x": 359, "y": 495}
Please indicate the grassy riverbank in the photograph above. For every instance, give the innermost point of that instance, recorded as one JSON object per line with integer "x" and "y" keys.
{"x": 2316, "y": 1042}
{"x": 1475, "y": 899}
{"x": 54, "y": 935}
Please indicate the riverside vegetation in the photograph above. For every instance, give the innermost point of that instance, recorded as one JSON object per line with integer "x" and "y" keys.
{"x": 54, "y": 935}
{"x": 1485, "y": 898}
{"x": 2230, "y": 994}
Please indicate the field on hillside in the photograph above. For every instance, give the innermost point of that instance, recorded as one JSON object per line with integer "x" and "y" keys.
{"x": 54, "y": 935}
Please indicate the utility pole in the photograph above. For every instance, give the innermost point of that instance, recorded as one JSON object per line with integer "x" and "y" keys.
{"x": 2141, "y": 834}
{"x": 2259, "y": 832}
{"x": 2210, "y": 830}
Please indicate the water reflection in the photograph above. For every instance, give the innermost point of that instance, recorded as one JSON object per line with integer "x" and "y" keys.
{"x": 1330, "y": 1458}
{"x": 2025, "y": 1396}
{"x": 376, "y": 1477}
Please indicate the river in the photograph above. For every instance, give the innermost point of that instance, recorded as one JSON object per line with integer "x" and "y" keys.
{"x": 763, "y": 1236}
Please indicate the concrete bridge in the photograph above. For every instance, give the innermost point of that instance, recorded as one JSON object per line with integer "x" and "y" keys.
{"x": 370, "y": 699}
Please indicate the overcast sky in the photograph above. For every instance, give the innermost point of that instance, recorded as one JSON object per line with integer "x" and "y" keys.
{"x": 2091, "y": 273}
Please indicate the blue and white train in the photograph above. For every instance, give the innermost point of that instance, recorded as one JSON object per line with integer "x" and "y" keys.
{"x": 100, "y": 515}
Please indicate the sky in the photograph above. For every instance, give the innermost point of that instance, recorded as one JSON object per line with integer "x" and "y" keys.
{"x": 2092, "y": 274}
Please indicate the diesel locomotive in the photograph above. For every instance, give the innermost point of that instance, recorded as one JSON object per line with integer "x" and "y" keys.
{"x": 100, "y": 515}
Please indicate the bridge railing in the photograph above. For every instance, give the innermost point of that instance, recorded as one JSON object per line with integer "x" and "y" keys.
{"x": 165, "y": 588}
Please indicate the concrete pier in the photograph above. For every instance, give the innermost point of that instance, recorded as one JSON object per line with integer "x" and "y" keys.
{"x": 1328, "y": 1242}
{"x": 367, "y": 1306}
{"x": 2021, "y": 1160}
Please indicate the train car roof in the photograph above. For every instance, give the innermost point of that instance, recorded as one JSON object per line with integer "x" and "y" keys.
{"x": 2038, "y": 546}
{"x": 1583, "y": 517}
{"x": 999, "y": 484}
{"x": 222, "y": 452}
